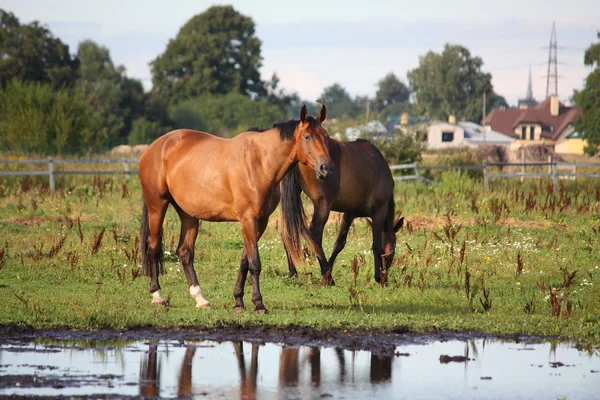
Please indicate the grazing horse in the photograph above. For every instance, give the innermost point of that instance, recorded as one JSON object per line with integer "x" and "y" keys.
{"x": 205, "y": 177}
{"x": 362, "y": 185}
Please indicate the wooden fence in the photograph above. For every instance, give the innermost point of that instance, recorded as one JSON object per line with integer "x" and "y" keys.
{"x": 51, "y": 171}
{"x": 487, "y": 167}
{"x": 553, "y": 171}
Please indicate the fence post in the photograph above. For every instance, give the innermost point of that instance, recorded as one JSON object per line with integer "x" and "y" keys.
{"x": 417, "y": 171}
{"x": 522, "y": 150}
{"x": 486, "y": 179}
{"x": 574, "y": 171}
{"x": 51, "y": 174}
{"x": 555, "y": 175}
{"x": 126, "y": 168}
{"x": 549, "y": 164}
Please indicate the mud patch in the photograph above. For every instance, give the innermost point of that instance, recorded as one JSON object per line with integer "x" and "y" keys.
{"x": 378, "y": 341}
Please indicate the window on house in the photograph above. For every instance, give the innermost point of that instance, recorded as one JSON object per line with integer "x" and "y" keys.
{"x": 447, "y": 136}
{"x": 531, "y": 132}
{"x": 523, "y": 132}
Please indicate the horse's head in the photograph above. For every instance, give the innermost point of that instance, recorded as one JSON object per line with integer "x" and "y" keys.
{"x": 389, "y": 244}
{"x": 311, "y": 143}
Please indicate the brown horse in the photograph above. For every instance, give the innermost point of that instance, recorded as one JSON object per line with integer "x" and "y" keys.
{"x": 362, "y": 185}
{"x": 205, "y": 177}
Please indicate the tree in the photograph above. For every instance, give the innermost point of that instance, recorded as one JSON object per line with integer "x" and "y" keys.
{"x": 452, "y": 83}
{"x": 215, "y": 52}
{"x": 225, "y": 115}
{"x": 35, "y": 117}
{"x": 100, "y": 80}
{"x": 30, "y": 53}
{"x": 588, "y": 99}
{"x": 339, "y": 102}
{"x": 289, "y": 103}
{"x": 143, "y": 132}
{"x": 390, "y": 90}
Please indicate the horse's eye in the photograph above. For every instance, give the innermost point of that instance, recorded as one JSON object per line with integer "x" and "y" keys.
{"x": 307, "y": 137}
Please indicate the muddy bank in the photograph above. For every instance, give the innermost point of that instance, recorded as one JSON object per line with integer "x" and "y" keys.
{"x": 373, "y": 340}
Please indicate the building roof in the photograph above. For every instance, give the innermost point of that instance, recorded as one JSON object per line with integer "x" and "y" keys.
{"x": 505, "y": 120}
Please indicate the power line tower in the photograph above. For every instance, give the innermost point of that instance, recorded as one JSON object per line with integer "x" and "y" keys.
{"x": 552, "y": 64}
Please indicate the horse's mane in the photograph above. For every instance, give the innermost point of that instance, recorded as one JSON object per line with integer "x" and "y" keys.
{"x": 287, "y": 128}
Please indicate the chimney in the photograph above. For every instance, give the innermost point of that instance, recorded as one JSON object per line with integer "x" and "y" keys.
{"x": 404, "y": 119}
{"x": 452, "y": 119}
{"x": 554, "y": 106}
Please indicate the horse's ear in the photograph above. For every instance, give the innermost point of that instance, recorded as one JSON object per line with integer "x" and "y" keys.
{"x": 322, "y": 113}
{"x": 303, "y": 113}
{"x": 398, "y": 224}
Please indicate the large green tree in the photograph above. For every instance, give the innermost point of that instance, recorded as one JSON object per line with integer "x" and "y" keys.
{"x": 452, "y": 83}
{"x": 215, "y": 52}
{"x": 117, "y": 98}
{"x": 31, "y": 53}
{"x": 589, "y": 100}
{"x": 390, "y": 90}
{"x": 99, "y": 79}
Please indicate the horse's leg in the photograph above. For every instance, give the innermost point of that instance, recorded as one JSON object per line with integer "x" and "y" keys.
{"x": 320, "y": 217}
{"x": 238, "y": 291}
{"x": 246, "y": 265}
{"x": 156, "y": 216}
{"x": 340, "y": 241}
{"x": 185, "y": 251}
{"x": 377, "y": 228}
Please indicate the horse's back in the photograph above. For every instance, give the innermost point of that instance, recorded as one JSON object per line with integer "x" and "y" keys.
{"x": 366, "y": 182}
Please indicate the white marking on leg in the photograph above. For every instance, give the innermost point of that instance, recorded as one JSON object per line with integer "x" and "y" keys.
{"x": 196, "y": 294}
{"x": 157, "y": 298}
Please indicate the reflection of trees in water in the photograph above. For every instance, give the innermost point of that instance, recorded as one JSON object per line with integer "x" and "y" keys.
{"x": 293, "y": 363}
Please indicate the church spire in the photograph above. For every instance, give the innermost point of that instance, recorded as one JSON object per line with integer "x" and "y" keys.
{"x": 529, "y": 95}
{"x": 528, "y": 101}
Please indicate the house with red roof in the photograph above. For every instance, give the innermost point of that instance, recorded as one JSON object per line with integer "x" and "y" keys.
{"x": 548, "y": 123}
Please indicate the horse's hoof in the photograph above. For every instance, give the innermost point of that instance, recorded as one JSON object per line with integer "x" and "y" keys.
{"x": 261, "y": 311}
{"x": 327, "y": 281}
{"x": 158, "y": 303}
{"x": 205, "y": 306}
{"x": 239, "y": 309}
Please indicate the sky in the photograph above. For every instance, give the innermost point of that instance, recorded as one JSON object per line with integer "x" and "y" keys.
{"x": 312, "y": 44}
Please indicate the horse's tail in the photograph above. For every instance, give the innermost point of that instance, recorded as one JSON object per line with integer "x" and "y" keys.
{"x": 294, "y": 219}
{"x": 144, "y": 239}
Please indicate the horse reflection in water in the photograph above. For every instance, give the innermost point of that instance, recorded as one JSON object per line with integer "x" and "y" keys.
{"x": 150, "y": 373}
{"x": 291, "y": 377}
{"x": 247, "y": 378}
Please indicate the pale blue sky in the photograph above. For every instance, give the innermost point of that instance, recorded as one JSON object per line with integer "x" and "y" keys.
{"x": 354, "y": 43}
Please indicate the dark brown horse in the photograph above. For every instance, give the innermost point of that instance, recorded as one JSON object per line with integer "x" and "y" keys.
{"x": 362, "y": 185}
{"x": 205, "y": 177}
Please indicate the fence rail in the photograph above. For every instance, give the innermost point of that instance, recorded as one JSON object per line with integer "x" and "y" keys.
{"x": 52, "y": 172}
{"x": 552, "y": 173}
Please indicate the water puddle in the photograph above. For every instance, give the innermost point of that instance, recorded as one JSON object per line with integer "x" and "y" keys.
{"x": 208, "y": 369}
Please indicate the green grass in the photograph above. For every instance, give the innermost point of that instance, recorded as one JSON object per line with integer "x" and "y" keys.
{"x": 459, "y": 245}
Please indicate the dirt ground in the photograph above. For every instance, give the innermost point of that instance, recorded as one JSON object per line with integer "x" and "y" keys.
{"x": 376, "y": 341}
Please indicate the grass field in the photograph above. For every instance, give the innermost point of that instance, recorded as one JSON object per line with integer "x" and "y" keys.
{"x": 519, "y": 259}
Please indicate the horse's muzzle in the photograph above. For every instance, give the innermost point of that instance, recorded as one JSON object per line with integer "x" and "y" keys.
{"x": 324, "y": 170}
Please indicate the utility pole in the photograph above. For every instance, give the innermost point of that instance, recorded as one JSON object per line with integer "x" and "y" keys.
{"x": 483, "y": 121}
{"x": 552, "y": 64}
{"x": 367, "y": 106}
